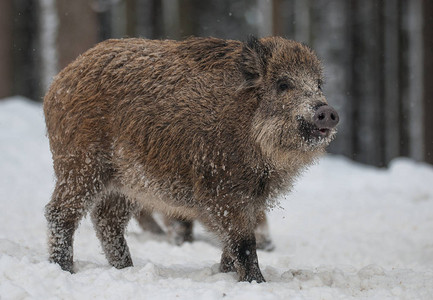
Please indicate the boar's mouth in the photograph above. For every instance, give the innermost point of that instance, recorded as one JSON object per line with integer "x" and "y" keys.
{"x": 311, "y": 132}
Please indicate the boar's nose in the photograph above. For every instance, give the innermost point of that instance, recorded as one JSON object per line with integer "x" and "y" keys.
{"x": 326, "y": 117}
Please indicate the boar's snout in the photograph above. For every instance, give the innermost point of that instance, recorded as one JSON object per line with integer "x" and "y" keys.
{"x": 325, "y": 117}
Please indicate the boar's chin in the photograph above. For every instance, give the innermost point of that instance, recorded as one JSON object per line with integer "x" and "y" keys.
{"x": 312, "y": 136}
{"x": 279, "y": 142}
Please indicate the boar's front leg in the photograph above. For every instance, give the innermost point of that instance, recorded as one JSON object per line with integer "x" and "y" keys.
{"x": 239, "y": 251}
{"x": 241, "y": 256}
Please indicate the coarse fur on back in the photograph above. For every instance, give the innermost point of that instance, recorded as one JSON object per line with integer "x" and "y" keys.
{"x": 205, "y": 129}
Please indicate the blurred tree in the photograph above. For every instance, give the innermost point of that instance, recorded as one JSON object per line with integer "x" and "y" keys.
{"x": 377, "y": 54}
{"x": 367, "y": 83}
{"x": 78, "y": 28}
{"x": 6, "y": 26}
{"x": 427, "y": 17}
{"x": 24, "y": 49}
{"x": 48, "y": 26}
{"x": 224, "y": 19}
{"x": 332, "y": 39}
{"x": 149, "y": 20}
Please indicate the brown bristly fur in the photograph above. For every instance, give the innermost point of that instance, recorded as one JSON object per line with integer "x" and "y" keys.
{"x": 197, "y": 129}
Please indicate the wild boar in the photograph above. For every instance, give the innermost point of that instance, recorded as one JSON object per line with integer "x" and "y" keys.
{"x": 206, "y": 129}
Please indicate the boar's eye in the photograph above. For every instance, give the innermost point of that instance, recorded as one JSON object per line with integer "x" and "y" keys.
{"x": 284, "y": 85}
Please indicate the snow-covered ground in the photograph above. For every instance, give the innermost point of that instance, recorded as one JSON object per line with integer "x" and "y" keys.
{"x": 346, "y": 231}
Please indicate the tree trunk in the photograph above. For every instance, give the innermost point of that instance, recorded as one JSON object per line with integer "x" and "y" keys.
{"x": 25, "y": 68}
{"x": 78, "y": 29}
{"x": 427, "y": 79}
{"x": 367, "y": 83}
{"x": 6, "y": 26}
{"x": 413, "y": 24}
{"x": 48, "y": 25}
{"x": 332, "y": 42}
{"x": 391, "y": 15}
{"x": 149, "y": 24}
{"x": 265, "y": 17}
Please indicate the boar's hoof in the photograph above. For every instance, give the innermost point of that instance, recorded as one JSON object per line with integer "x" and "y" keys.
{"x": 253, "y": 275}
{"x": 65, "y": 265}
{"x": 179, "y": 240}
{"x": 250, "y": 274}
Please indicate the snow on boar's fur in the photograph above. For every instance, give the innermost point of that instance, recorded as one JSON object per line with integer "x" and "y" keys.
{"x": 205, "y": 129}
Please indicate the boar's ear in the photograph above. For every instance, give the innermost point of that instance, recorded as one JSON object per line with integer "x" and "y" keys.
{"x": 254, "y": 59}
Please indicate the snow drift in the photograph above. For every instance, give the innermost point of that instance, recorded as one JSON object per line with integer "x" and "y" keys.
{"x": 346, "y": 231}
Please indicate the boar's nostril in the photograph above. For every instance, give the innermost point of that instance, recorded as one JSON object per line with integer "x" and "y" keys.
{"x": 326, "y": 117}
{"x": 334, "y": 116}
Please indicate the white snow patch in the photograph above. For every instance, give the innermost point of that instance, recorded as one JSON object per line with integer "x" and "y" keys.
{"x": 347, "y": 231}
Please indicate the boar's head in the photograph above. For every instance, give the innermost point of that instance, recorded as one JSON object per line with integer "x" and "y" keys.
{"x": 292, "y": 113}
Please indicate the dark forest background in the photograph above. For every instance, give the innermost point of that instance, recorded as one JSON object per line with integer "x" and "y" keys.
{"x": 377, "y": 54}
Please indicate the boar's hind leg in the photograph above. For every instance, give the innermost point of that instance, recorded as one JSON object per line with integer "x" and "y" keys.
{"x": 110, "y": 217}
{"x": 263, "y": 237}
{"x": 74, "y": 193}
{"x": 239, "y": 250}
{"x": 63, "y": 214}
{"x": 147, "y": 222}
{"x": 179, "y": 231}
